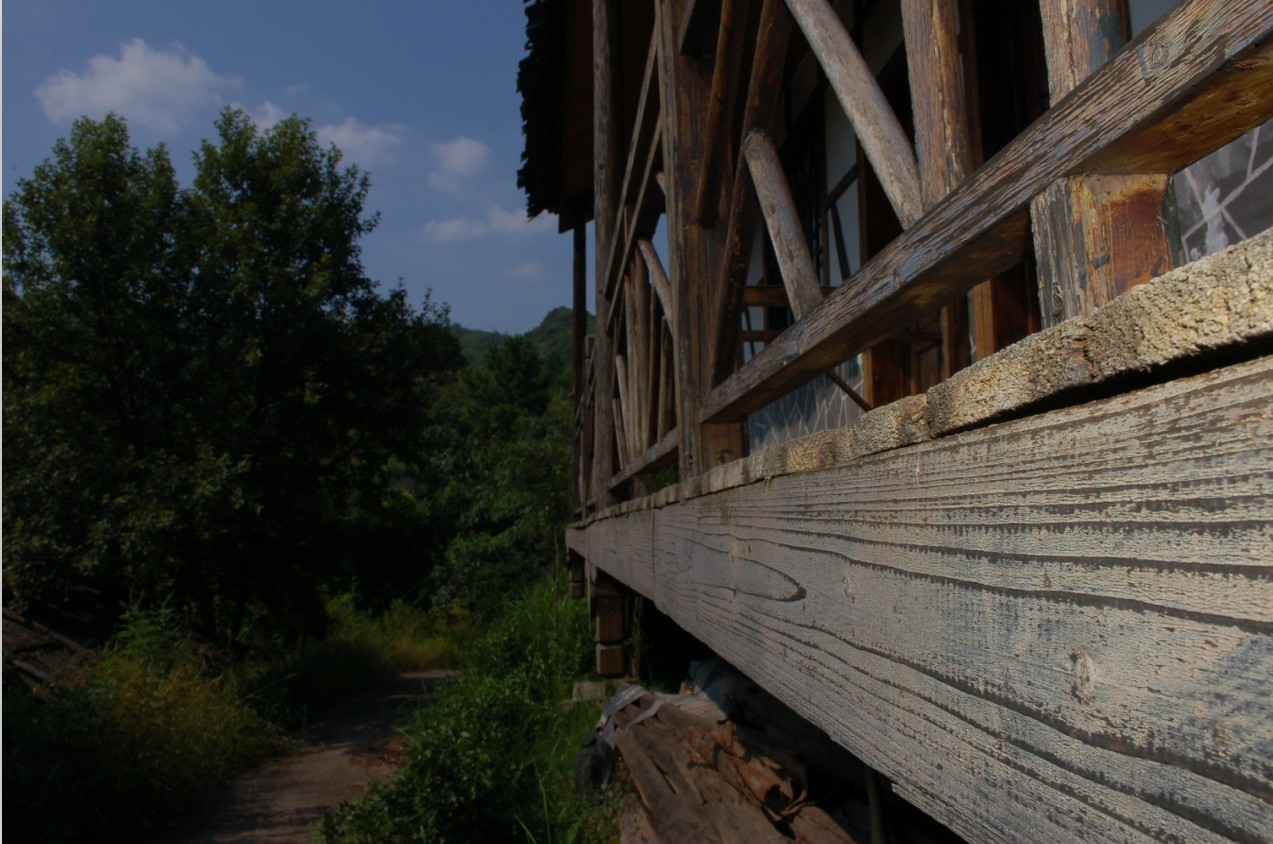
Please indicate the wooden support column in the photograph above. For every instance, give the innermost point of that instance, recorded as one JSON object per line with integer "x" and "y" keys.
{"x": 694, "y": 250}
{"x": 606, "y": 126}
{"x": 720, "y": 114}
{"x": 762, "y": 105}
{"x": 942, "y": 138}
{"x": 579, "y": 328}
{"x": 1094, "y": 236}
{"x": 609, "y": 626}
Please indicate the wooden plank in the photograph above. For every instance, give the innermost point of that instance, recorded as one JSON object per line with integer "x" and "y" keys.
{"x": 874, "y": 123}
{"x": 720, "y": 113}
{"x": 1053, "y": 629}
{"x": 762, "y": 104}
{"x": 799, "y": 276}
{"x": 982, "y": 227}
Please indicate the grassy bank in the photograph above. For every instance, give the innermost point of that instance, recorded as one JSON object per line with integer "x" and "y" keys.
{"x": 492, "y": 757}
{"x": 139, "y": 737}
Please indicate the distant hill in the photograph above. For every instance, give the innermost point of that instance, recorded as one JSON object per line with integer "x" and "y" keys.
{"x": 552, "y": 336}
{"x": 474, "y": 342}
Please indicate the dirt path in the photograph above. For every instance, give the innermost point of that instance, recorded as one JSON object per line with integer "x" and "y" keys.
{"x": 351, "y": 747}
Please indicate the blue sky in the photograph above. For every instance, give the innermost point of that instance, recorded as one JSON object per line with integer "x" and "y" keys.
{"x": 422, "y": 95}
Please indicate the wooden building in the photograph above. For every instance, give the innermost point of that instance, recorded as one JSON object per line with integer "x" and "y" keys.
{"x": 932, "y": 383}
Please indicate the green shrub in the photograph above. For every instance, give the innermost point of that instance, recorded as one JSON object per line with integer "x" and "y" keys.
{"x": 491, "y": 759}
{"x": 137, "y": 739}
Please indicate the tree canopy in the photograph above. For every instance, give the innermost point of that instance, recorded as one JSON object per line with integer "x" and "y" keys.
{"x": 206, "y": 399}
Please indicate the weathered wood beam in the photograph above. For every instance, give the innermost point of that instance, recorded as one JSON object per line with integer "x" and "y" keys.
{"x": 1095, "y": 658}
{"x": 1095, "y": 236}
{"x": 579, "y": 329}
{"x": 658, "y": 278}
{"x": 1079, "y": 36}
{"x": 607, "y": 106}
{"x": 937, "y": 97}
{"x": 633, "y": 193}
{"x": 648, "y": 205}
{"x": 657, "y": 456}
{"x": 693, "y": 250}
{"x": 982, "y": 227}
{"x": 720, "y": 111}
{"x": 799, "y": 276}
{"x": 874, "y": 123}
{"x": 763, "y": 88}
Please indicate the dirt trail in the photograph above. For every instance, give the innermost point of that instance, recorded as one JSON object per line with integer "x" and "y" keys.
{"x": 350, "y": 747}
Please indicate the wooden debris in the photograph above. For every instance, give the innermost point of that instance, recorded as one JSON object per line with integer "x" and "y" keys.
{"x": 700, "y": 780}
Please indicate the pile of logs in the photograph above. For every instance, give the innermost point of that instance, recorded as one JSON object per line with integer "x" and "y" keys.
{"x": 700, "y": 777}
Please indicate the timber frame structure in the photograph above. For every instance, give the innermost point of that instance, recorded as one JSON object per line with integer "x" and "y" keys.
{"x": 1031, "y": 580}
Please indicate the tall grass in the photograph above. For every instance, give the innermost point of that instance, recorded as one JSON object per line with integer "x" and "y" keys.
{"x": 492, "y": 757}
{"x": 141, "y": 737}
{"x": 138, "y": 738}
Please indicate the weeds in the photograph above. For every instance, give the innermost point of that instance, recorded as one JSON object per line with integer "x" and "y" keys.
{"x": 141, "y": 736}
{"x": 492, "y": 757}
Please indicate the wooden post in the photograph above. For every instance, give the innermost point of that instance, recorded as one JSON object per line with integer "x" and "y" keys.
{"x": 694, "y": 250}
{"x": 762, "y": 105}
{"x": 942, "y": 139}
{"x": 609, "y": 626}
{"x": 1094, "y": 236}
{"x": 606, "y": 108}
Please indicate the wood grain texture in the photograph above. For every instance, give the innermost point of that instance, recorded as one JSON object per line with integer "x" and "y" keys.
{"x": 1079, "y": 36}
{"x": 937, "y": 97}
{"x": 1052, "y": 629}
{"x": 720, "y": 114}
{"x": 874, "y": 123}
{"x": 795, "y": 264}
{"x": 762, "y": 104}
{"x": 1212, "y": 51}
{"x": 1096, "y": 237}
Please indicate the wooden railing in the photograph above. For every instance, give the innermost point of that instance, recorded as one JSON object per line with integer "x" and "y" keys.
{"x": 1121, "y": 121}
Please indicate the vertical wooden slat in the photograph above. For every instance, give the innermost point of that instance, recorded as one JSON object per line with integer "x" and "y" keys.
{"x": 943, "y": 141}
{"x": 874, "y": 123}
{"x": 694, "y": 251}
{"x": 720, "y": 112}
{"x": 607, "y": 163}
{"x": 937, "y": 97}
{"x": 799, "y": 276}
{"x": 1094, "y": 236}
{"x": 579, "y": 328}
{"x": 762, "y": 104}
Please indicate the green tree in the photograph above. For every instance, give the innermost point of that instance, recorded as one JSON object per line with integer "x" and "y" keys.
{"x": 204, "y": 393}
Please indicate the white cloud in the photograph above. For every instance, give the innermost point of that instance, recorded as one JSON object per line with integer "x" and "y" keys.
{"x": 367, "y": 145}
{"x": 266, "y": 115}
{"x": 154, "y": 89}
{"x": 458, "y": 159}
{"x": 498, "y": 221}
{"x": 526, "y": 271}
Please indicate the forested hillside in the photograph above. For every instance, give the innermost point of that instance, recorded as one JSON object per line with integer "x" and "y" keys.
{"x": 265, "y": 465}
